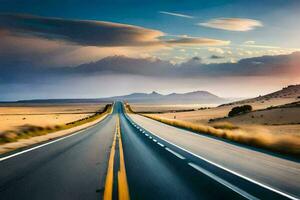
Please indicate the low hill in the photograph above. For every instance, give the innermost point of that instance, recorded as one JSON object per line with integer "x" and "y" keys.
{"x": 287, "y": 114}
{"x": 286, "y": 95}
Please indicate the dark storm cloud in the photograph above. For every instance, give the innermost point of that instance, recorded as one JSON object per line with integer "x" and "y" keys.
{"x": 81, "y": 32}
{"x": 280, "y": 65}
{"x": 257, "y": 66}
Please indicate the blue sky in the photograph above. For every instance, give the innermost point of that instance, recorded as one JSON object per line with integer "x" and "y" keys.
{"x": 279, "y": 17}
{"x": 40, "y": 34}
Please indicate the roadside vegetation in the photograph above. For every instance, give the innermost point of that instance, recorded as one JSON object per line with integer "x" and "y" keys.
{"x": 238, "y": 110}
{"x": 128, "y": 108}
{"x": 281, "y": 143}
{"x": 28, "y": 131}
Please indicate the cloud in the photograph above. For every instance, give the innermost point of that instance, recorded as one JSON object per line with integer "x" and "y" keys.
{"x": 249, "y": 42}
{"x": 261, "y": 46}
{"x": 268, "y": 66}
{"x": 216, "y": 57}
{"x": 33, "y": 41}
{"x": 232, "y": 24}
{"x": 196, "y": 41}
{"x": 216, "y": 50}
{"x": 93, "y": 33}
{"x": 113, "y": 73}
{"x": 176, "y": 14}
{"x": 279, "y": 65}
{"x": 80, "y": 32}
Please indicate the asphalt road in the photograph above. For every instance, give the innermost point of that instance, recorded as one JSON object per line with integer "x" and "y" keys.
{"x": 230, "y": 161}
{"x": 149, "y": 161}
{"x": 72, "y": 168}
{"x": 154, "y": 173}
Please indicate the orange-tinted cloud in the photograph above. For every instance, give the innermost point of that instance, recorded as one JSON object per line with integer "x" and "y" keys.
{"x": 80, "y": 32}
{"x": 94, "y": 33}
{"x": 232, "y": 24}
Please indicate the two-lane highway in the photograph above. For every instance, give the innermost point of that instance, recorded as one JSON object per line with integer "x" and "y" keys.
{"x": 131, "y": 157}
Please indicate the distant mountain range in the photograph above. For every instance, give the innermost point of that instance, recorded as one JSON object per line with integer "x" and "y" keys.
{"x": 197, "y": 97}
{"x": 154, "y": 97}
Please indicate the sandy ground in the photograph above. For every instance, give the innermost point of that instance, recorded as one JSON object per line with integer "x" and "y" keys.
{"x": 30, "y": 141}
{"x": 265, "y": 103}
{"x": 279, "y": 121}
{"x": 276, "y": 116}
{"x": 202, "y": 116}
{"x": 12, "y": 117}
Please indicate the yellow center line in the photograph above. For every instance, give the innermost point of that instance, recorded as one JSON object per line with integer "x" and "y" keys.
{"x": 122, "y": 178}
{"x": 123, "y": 191}
{"x": 109, "y": 177}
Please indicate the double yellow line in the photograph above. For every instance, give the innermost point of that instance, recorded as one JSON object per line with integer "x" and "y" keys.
{"x": 123, "y": 192}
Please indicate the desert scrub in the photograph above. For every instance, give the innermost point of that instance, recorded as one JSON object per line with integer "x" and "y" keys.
{"x": 28, "y": 131}
{"x": 128, "y": 108}
{"x": 281, "y": 143}
{"x": 224, "y": 125}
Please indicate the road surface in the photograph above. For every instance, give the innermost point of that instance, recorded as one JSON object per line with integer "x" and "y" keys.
{"x": 128, "y": 156}
{"x": 273, "y": 172}
{"x": 72, "y": 168}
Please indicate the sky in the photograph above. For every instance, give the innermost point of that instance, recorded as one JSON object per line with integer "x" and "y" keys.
{"x": 87, "y": 49}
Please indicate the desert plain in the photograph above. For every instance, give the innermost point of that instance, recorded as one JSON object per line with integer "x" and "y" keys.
{"x": 15, "y": 116}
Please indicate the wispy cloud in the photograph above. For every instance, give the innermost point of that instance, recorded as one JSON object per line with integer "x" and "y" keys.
{"x": 176, "y": 14}
{"x": 232, "y": 24}
{"x": 249, "y": 42}
{"x": 196, "y": 41}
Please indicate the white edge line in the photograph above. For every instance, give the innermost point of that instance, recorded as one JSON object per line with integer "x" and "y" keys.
{"x": 160, "y": 144}
{"x": 42, "y": 145}
{"x": 53, "y": 141}
{"x": 223, "y": 182}
{"x": 175, "y": 153}
{"x": 232, "y": 172}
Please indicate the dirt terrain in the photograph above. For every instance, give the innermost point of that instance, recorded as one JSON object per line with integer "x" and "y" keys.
{"x": 15, "y": 116}
{"x": 276, "y": 112}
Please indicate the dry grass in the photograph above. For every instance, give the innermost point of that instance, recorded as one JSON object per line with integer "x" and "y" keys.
{"x": 224, "y": 125}
{"x": 27, "y": 131}
{"x": 128, "y": 108}
{"x": 13, "y": 116}
{"x": 287, "y": 144}
{"x": 165, "y": 108}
